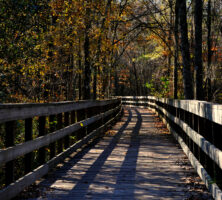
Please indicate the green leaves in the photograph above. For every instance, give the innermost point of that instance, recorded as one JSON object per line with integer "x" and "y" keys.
{"x": 159, "y": 88}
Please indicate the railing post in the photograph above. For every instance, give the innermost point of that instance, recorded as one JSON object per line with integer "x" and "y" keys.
{"x": 203, "y": 130}
{"x": 52, "y": 128}
{"x": 73, "y": 121}
{"x": 42, "y": 132}
{"x": 90, "y": 113}
{"x": 9, "y": 141}
{"x": 73, "y": 117}
{"x": 207, "y": 134}
{"x": 59, "y": 126}
{"x": 28, "y": 136}
{"x": 217, "y": 138}
{"x": 80, "y": 116}
{"x": 195, "y": 127}
{"x": 66, "y": 142}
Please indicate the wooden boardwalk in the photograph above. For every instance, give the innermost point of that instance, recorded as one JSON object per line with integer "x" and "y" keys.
{"x": 134, "y": 160}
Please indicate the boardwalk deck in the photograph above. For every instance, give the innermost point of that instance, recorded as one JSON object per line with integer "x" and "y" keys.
{"x": 133, "y": 161}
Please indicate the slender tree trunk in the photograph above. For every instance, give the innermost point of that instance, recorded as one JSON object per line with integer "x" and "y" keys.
{"x": 209, "y": 52}
{"x": 187, "y": 75}
{"x": 99, "y": 49}
{"x": 87, "y": 56}
{"x": 198, "y": 48}
{"x": 116, "y": 82}
{"x": 95, "y": 82}
{"x": 80, "y": 69}
{"x": 170, "y": 38}
{"x": 175, "y": 71}
{"x": 136, "y": 78}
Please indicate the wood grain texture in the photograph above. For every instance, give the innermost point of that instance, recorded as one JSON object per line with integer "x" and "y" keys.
{"x": 14, "y": 188}
{"x": 134, "y": 160}
{"x": 208, "y": 110}
{"x": 9, "y": 112}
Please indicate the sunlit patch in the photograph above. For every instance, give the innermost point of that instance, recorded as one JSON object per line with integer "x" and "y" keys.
{"x": 158, "y": 123}
{"x": 111, "y": 132}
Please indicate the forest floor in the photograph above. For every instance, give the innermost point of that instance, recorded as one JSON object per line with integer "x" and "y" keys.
{"x": 137, "y": 159}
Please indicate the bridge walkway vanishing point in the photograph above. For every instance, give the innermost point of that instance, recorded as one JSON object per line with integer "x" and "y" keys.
{"x": 134, "y": 160}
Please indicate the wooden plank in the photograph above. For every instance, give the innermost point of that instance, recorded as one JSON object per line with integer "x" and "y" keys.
{"x": 66, "y": 123}
{"x": 208, "y": 110}
{"x": 52, "y": 128}
{"x": 81, "y": 115}
{"x": 214, "y": 153}
{"x": 213, "y": 187}
{"x": 28, "y": 137}
{"x": 24, "y": 148}
{"x": 42, "y": 132}
{"x": 13, "y": 189}
{"x": 11, "y": 112}
{"x": 9, "y": 141}
{"x": 59, "y": 126}
{"x": 211, "y": 111}
{"x": 129, "y": 162}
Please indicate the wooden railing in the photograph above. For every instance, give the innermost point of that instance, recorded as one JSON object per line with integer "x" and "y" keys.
{"x": 60, "y": 129}
{"x": 197, "y": 126}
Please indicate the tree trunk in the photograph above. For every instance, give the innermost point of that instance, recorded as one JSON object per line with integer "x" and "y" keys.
{"x": 80, "y": 70}
{"x": 116, "y": 83}
{"x": 187, "y": 76}
{"x": 99, "y": 49}
{"x": 170, "y": 38}
{"x": 136, "y": 79}
{"x": 175, "y": 71}
{"x": 87, "y": 57}
{"x": 209, "y": 52}
{"x": 198, "y": 13}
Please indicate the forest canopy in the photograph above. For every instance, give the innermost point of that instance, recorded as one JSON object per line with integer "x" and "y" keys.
{"x": 57, "y": 50}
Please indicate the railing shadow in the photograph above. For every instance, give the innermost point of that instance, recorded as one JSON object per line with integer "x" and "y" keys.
{"x": 96, "y": 166}
{"x": 130, "y": 159}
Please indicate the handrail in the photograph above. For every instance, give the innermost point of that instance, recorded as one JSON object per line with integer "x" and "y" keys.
{"x": 11, "y": 153}
{"x": 197, "y": 125}
{"x": 9, "y": 112}
{"x": 208, "y": 110}
{"x": 84, "y": 120}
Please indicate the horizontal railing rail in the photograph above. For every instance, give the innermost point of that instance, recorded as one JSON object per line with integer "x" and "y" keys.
{"x": 20, "y": 111}
{"x": 62, "y": 128}
{"x": 197, "y": 125}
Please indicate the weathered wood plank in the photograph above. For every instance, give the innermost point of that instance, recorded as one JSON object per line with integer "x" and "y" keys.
{"x": 132, "y": 161}
{"x": 28, "y": 137}
{"x": 194, "y": 139}
{"x": 9, "y": 141}
{"x": 214, "y": 153}
{"x": 21, "y": 149}
{"x": 208, "y": 110}
{"x": 42, "y": 132}
{"x": 13, "y": 189}
{"x": 213, "y": 187}
{"x": 9, "y": 112}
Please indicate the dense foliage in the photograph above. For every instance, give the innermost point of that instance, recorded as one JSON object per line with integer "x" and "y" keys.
{"x": 78, "y": 49}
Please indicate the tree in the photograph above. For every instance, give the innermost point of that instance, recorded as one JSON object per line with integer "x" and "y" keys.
{"x": 198, "y": 13}
{"x": 209, "y": 52}
{"x": 86, "y": 52}
{"x": 176, "y": 51}
{"x": 187, "y": 76}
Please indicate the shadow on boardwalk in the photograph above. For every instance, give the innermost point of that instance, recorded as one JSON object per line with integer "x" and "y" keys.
{"x": 95, "y": 168}
{"x": 133, "y": 161}
{"x": 126, "y": 173}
